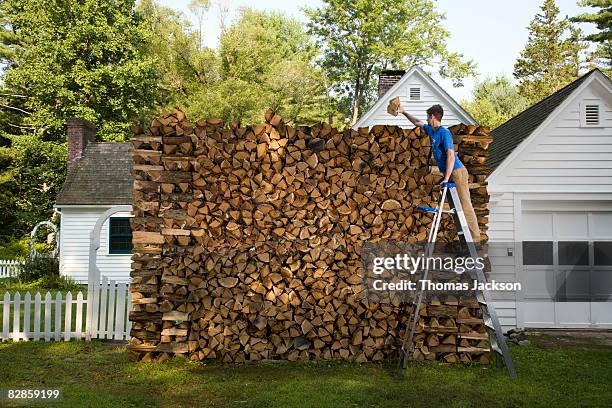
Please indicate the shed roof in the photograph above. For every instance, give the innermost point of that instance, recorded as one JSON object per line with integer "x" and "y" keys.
{"x": 103, "y": 175}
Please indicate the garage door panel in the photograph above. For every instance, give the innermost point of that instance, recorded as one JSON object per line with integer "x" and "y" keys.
{"x": 573, "y": 313}
{"x": 537, "y": 225}
{"x": 539, "y": 314}
{"x": 570, "y": 225}
{"x": 601, "y": 285}
{"x": 574, "y": 284}
{"x": 539, "y": 283}
{"x": 600, "y": 225}
{"x": 601, "y": 313}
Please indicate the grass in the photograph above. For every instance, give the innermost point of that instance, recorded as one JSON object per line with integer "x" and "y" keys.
{"x": 98, "y": 374}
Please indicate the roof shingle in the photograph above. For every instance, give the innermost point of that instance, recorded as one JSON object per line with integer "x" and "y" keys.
{"x": 103, "y": 175}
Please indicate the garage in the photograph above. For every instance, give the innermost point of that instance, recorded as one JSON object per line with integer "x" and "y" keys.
{"x": 550, "y": 209}
{"x": 566, "y": 264}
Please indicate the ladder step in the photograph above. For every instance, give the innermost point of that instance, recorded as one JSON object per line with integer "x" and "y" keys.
{"x": 473, "y": 349}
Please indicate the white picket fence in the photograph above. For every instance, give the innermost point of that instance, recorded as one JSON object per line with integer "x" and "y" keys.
{"x": 58, "y": 318}
{"x": 9, "y": 267}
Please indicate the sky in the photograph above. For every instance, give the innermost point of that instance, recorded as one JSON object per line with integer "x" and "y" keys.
{"x": 490, "y": 32}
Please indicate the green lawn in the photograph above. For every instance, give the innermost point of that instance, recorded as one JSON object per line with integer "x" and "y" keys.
{"x": 100, "y": 374}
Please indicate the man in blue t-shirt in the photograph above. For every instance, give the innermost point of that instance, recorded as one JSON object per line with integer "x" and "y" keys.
{"x": 448, "y": 161}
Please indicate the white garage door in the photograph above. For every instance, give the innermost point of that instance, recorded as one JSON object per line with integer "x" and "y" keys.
{"x": 566, "y": 259}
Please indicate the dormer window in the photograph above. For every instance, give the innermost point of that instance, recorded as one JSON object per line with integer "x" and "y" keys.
{"x": 590, "y": 114}
{"x": 415, "y": 94}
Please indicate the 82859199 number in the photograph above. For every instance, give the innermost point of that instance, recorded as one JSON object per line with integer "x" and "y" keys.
{"x": 51, "y": 394}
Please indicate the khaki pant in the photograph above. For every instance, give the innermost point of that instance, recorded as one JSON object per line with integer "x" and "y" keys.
{"x": 460, "y": 178}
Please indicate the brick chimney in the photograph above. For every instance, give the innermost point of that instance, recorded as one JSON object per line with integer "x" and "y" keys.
{"x": 80, "y": 133}
{"x": 387, "y": 78}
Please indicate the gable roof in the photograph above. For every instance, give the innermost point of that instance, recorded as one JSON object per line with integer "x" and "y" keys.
{"x": 416, "y": 70}
{"x": 102, "y": 176}
{"x": 507, "y": 136}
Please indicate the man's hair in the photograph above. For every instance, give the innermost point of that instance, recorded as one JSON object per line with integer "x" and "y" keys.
{"x": 437, "y": 111}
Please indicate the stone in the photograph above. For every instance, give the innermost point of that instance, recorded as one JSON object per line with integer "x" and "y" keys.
{"x": 301, "y": 343}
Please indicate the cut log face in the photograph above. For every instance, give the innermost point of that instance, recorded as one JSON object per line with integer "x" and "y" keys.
{"x": 247, "y": 240}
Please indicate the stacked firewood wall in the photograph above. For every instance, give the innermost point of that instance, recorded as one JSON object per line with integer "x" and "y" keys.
{"x": 247, "y": 240}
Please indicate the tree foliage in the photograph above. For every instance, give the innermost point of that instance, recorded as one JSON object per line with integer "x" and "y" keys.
{"x": 81, "y": 58}
{"x": 265, "y": 60}
{"x": 360, "y": 38}
{"x": 494, "y": 101}
{"x": 33, "y": 171}
{"x": 552, "y": 56}
{"x": 183, "y": 66}
{"x": 602, "y": 19}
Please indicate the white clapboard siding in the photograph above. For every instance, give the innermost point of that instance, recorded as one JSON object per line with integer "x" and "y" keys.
{"x": 430, "y": 94}
{"x": 501, "y": 251}
{"x": 76, "y": 225}
{"x": 63, "y": 317}
{"x": 10, "y": 267}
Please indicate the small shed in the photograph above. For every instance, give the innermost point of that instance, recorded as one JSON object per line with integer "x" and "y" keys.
{"x": 99, "y": 177}
{"x": 417, "y": 92}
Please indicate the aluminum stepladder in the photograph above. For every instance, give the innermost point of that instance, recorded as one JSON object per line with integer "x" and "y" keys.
{"x": 489, "y": 315}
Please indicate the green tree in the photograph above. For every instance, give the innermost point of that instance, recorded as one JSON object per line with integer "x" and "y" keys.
{"x": 80, "y": 58}
{"x": 9, "y": 40}
{"x": 362, "y": 37}
{"x": 184, "y": 66}
{"x": 199, "y": 9}
{"x": 602, "y": 19}
{"x": 32, "y": 176}
{"x": 266, "y": 61}
{"x": 551, "y": 58}
{"x": 494, "y": 101}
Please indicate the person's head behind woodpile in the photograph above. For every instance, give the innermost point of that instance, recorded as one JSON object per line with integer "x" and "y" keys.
{"x": 437, "y": 111}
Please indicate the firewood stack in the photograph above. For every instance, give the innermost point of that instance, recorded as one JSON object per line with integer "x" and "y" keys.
{"x": 247, "y": 240}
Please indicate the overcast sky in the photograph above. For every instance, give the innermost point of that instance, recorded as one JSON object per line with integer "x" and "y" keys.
{"x": 491, "y": 32}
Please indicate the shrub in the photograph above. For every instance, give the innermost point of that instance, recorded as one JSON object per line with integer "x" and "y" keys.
{"x": 61, "y": 283}
{"x": 39, "y": 267}
{"x": 14, "y": 248}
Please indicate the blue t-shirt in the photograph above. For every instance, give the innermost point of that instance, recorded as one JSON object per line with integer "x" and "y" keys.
{"x": 441, "y": 140}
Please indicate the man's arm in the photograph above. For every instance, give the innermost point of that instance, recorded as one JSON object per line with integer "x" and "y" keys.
{"x": 415, "y": 121}
{"x": 447, "y": 142}
{"x": 450, "y": 163}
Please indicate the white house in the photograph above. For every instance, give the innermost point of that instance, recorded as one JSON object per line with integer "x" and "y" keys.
{"x": 99, "y": 177}
{"x": 550, "y": 221}
{"x": 417, "y": 92}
